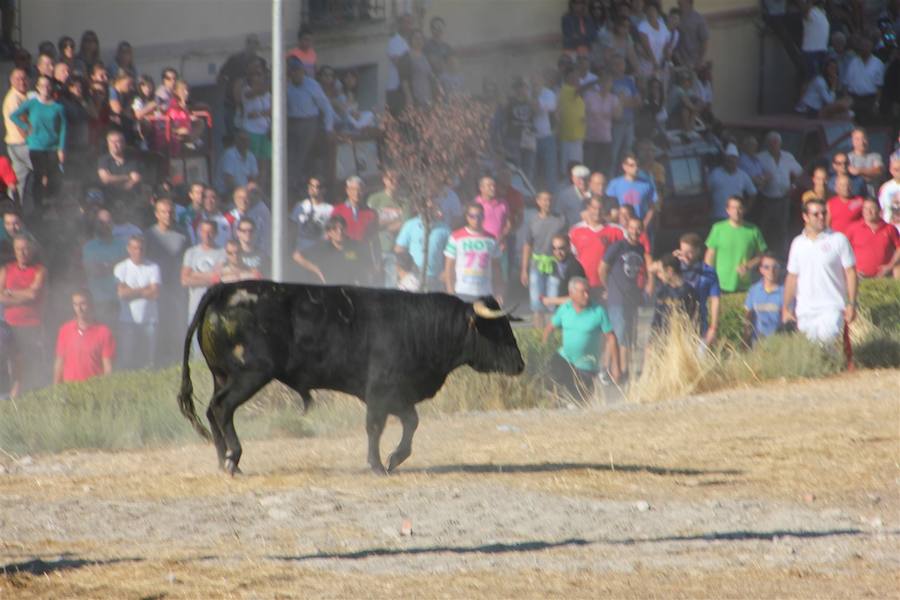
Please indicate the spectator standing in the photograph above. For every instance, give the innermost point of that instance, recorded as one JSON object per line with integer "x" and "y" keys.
{"x": 621, "y": 271}
{"x": 764, "y": 302}
{"x": 889, "y": 194}
{"x": 727, "y": 181}
{"x": 823, "y": 97}
{"x": 16, "y": 147}
{"x": 338, "y": 259}
{"x": 118, "y": 175}
{"x": 310, "y": 215}
{"x": 305, "y": 51}
{"x": 248, "y": 204}
{"x": 571, "y": 120}
{"x": 437, "y": 50}
{"x": 99, "y": 256}
{"x": 138, "y": 285}
{"x": 88, "y": 53}
{"x": 211, "y": 212}
{"x": 165, "y": 246}
{"x": 411, "y": 240}
{"x": 750, "y": 164}
{"x": 238, "y": 166}
{"x": 306, "y": 105}
{"x": 590, "y": 240}
{"x": 472, "y": 259}
{"x": 586, "y": 328}
{"x": 392, "y": 212}
{"x": 537, "y": 256}
{"x": 875, "y": 243}
{"x": 626, "y": 89}
{"x": 396, "y": 94}
{"x": 234, "y": 268}
{"x": 256, "y": 121}
{"x": 24, "y": 283}
{"x": 421, "y": 77}
{"x": 251, "y": 255}
{"x": 773, "y": 209}
{"x": 44, "y": 122}
{"x": 570, "y": 200}
{"x": 733, "y": 248}
{"x": 519, "y": 136}
{"x": 821, "y": 278}
{"x": 547, "y": 165}
{"x": 165, "y": 92}
{"x": 66, "y": 51}
{"x": 85, "y": 348}
{"x": 672, "y": 296}
{"x": 841, "y": 166}
{"x": 634, "y": 191}
{"x": 819, "y": 190}
{"x": 863, "y": 163}
{"x": 200, "y": 266}
{"x": 704, "y": 281}
{"x": 565, "y": 268}
{"x": 843, "y": 209}
{"x": 231, "y": 76}
{"x": 602, "y": 107}
{"x": 578, "y": 28}
{"x": 864, "y": 79}
{"x": 361, "y": 222}
{"x": 693, "y": 36}
{"x": 185, "y": 215}
{"x": 816, "y": 31}
{"x": 496, "y": 220}
{"x": 656, "y": 39}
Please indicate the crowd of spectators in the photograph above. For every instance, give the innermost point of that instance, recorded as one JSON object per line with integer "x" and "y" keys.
{"x": 94, "y": 205}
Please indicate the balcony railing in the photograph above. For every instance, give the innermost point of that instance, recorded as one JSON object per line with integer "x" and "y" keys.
{"x": 328, "y": 14}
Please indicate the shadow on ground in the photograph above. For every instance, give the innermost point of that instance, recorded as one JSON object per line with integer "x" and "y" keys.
{"x": 39, "y": 566}
{"x": 554, "y": 467}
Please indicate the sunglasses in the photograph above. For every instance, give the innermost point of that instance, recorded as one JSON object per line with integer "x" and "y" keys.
{"x": 816, "y": 214}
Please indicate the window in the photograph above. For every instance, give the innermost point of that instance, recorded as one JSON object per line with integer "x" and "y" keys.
{"x": 324, "y": 14}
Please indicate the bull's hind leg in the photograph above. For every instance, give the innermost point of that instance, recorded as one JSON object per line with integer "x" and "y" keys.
{"x": 218, "y": 437}
{"x": 240, "y": 389}
{"x": 375, "y": 420}
{"x": 410, "y": 420}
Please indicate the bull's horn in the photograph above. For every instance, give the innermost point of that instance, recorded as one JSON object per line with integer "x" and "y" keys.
{"x": 487, "y": 313}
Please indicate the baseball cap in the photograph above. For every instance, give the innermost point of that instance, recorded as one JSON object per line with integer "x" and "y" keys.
{"x": 581, "y": 171}
{"x": 731, "y": 150}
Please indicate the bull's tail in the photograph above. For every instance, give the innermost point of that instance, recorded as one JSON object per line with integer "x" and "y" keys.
{"x": 186, "y": 395}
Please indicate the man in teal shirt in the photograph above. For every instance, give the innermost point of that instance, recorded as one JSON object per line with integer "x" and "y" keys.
{"x": 582, "y": 323}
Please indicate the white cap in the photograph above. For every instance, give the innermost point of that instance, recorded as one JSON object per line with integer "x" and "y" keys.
{"x": 731, "y": 150}
{"x": 580, "y": 171}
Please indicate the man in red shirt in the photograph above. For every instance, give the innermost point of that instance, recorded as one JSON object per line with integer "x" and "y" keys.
{"x": 590, "y": 239}
{"x": 875, "y": 243}
{"x": 8, "y": 180}
{"x": 85, "y": 348}
{"x": 362, "y": 221}
{"x": 844, "y": 208}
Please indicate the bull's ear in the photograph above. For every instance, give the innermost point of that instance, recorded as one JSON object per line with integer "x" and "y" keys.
{"x": 513, "y": 319}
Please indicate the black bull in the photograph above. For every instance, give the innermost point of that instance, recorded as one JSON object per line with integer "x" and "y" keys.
{"x": 390, "y": 349}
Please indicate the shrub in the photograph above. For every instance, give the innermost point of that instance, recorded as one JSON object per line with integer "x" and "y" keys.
{"x": 880, "y": 351}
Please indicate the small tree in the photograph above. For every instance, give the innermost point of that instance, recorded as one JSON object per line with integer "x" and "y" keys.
{"x": 431, "y": 146}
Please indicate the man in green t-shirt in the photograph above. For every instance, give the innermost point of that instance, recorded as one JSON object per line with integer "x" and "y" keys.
{"x": 392, "y": 212}
{"x": 734, "y": 248}
{"x": 582, "y": 323}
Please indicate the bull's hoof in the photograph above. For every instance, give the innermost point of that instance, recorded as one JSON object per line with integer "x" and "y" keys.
{"x": 231, "y": 468}
{"x": 378, "y": 469}
{"x": 394, "y": 461}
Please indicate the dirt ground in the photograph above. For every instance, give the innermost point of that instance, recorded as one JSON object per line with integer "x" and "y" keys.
{"x": 783, "y": 490}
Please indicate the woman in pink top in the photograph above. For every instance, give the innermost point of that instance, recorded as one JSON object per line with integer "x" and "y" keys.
{"x": 178, "y": 119}
{"x": 601, "y": 107}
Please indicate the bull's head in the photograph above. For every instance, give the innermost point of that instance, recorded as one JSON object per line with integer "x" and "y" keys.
{"x": 494, "y": 347}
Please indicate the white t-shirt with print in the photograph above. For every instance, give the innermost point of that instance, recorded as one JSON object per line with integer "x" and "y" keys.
{"x": 474, "y": 254}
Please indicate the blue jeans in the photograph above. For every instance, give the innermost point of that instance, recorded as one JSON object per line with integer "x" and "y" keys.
{"x": 541, "y": 285}
{"x": 137, "y": 345}
{"x": 547, "y": 168}
{"x": 622, "y": 141}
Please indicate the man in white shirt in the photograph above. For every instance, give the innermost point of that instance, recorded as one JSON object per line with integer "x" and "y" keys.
{"x": 238, "y": 165}
{"x": 545, "y": 99}
{"x": 727, "y": 181}
{"x": 398, "y": 51}
{"x": 863, "y": 163}
{"x": 864, "y": 79}
{"x": 137, "y": 282}
{"x": 200, "y": 268}
{"x": 890, "y": 191}
{"x": 821, "y": 278}
{"x": 772, "y": 211}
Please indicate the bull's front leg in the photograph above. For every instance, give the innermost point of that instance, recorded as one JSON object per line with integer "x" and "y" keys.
{"x": 410, "y": 420}
{"x": 376, "y": 417}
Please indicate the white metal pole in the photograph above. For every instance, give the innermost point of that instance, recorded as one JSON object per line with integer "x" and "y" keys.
{"x": 279, "y": 142}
